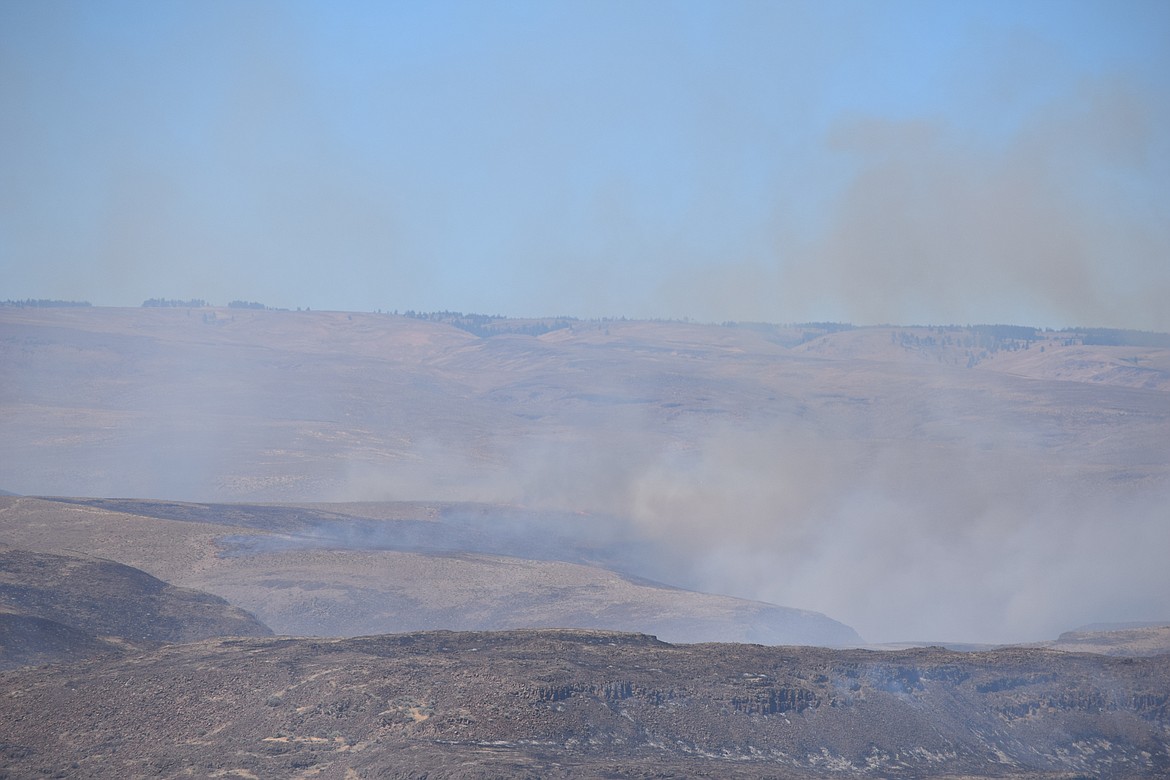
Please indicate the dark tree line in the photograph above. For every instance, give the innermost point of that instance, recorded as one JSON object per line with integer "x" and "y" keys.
{"x": 175, "y": 303}
{"x": 199, "y": 303}
{"x": 1113, "y": 337}
{"x": 44, "y": 303}
{"x": 486, "y": 325}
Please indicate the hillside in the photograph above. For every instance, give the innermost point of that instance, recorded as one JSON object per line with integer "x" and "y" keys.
{"x": 318, "y": 571}
{"x": 59, "y": 607}
{"x": 584, "y": 704}
{"x": 227, "y": 404}
{"x": 867, "y": 474}
{"x": 1132, "y": 641}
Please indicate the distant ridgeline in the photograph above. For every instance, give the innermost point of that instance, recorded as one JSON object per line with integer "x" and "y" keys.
{"x": 194, "y": 303}
{"x": 485, "y": 325}
{"x": 1109, "y": 337}
{"x": 199, "y": 303}
{"x": 988, "y": 339}
{"x": 44, "y": 303}
{"x": 1100, "y": 337}
{"x": 991, "y": 338}
{"x": 792, "y": 335}
{"x": 982, "y": 340}
{"x": 976, "y": 343}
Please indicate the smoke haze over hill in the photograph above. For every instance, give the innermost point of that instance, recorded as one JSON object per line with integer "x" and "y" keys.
{"x": 901, "y": 539}
{"x": 860, "y": 472}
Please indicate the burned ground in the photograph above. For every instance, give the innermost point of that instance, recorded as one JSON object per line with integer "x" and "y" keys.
{"x": 59, "y": 607}
{"x": 585, "y": 703}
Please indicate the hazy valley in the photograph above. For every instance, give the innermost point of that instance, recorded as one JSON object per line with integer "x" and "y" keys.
{"x": 183, "y": 475}
{"x": 866, "y": 473}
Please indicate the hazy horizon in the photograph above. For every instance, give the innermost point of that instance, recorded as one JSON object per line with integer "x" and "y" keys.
{"x": 851, "y": 162}
{"x": 584, "y": 318}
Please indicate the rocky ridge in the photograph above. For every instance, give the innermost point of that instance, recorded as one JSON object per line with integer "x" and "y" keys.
{"x": 584, "y": 703}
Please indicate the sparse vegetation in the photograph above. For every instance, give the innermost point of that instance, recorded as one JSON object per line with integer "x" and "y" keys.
{"x": 44, "y": 303}
{"x": 175, "y": 303}
{"x": 1113, "y": 337}
{"x": 487, "y": 325}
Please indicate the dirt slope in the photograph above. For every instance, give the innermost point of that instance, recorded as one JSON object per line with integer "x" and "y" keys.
{"x": 59, "y": 607}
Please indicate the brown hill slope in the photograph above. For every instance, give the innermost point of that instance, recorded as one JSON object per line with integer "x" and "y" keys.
{"x": 59, "y": 606}
{"x": 264, "y": 406}
{"x": 316, "y": 571}
{"x": 29, "y": 640}
{"x": 561, "y": 704}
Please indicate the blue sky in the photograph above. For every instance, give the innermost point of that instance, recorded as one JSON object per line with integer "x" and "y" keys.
{"x": 870, "y": 162}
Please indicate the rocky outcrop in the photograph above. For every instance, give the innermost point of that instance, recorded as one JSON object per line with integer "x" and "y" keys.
{"x": 587, "y": 703}
{"x": 1130, "y": 640}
